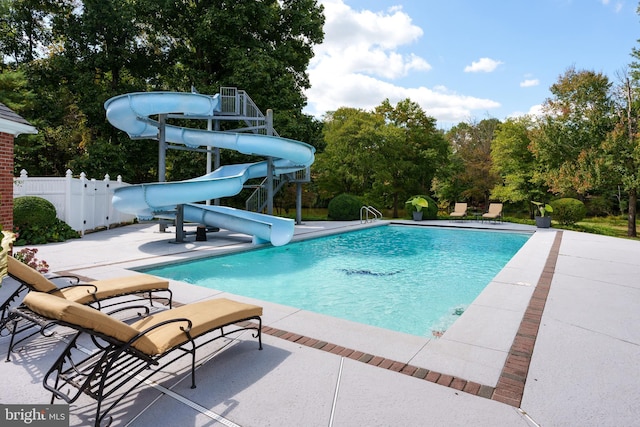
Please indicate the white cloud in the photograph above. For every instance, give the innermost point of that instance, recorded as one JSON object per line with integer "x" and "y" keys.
{"x": 363, "y": 53}
{"x": 367, "y": 42}
{"x": 485, "y": 65}
{"x": 362, "y": 91}
{"x": 535, "y": 111}
{"x": 529, "y": 83}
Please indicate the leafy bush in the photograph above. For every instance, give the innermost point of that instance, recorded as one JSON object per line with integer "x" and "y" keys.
{"x": 430, "y": 212}
{"x": 599, "y": 206}
{"x": 35, "y": 222}
{"x": 30, "y": 210}
{"x": 38, "y": 235}
{"x": 568, "y": 211}
{"x": 344, "y": 207}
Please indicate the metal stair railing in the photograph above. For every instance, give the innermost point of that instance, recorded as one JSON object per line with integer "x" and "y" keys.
{"x": 365, "y": 211}
{"x": 257, "y": 201}
{"x": 238, "y": 103}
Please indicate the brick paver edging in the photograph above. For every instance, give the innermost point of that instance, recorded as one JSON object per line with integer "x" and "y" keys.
{"x": 510, "y": 386}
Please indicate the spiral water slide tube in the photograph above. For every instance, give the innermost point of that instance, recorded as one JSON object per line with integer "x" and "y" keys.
{"x": 131, "y": 113}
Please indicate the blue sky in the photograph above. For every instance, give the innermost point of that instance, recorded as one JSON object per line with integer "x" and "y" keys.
{"x": 464, "y": 60}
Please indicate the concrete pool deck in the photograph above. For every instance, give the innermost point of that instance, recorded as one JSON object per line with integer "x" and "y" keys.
{"x": 552, "y": 340}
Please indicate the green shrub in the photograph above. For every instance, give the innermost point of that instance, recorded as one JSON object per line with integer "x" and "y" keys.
{"x": 568, "y": 211}
{"x": 31, "y": 210}
{"x": 39, "y": 235}
{"x": 430, "y": 212}
{"x": 344, "y": 207}
{"x": 599, "y": 206}
{"x": 35, "y": 222}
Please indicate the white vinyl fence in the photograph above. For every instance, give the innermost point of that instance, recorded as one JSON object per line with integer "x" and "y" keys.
{"x": 84, "y": 204}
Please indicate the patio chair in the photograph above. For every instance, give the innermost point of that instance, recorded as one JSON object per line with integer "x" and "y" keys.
{"x": 494, "y": 212}
{"x": 96, "y": 293}
{"x": 459, "y": 211}
{"x": 126, "y": 355}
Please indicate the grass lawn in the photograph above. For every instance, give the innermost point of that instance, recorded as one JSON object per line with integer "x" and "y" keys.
{"x": 615, "y": 226}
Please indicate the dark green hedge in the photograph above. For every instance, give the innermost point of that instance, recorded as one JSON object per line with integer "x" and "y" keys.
{"x": 35, "y": 222}
{"x": 344, "y": 207}
{"x": 568, "y": 211}
{"x": 33, "y": 210}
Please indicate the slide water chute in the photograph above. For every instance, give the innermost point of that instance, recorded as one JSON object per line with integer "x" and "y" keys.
{"x": 131, "y": 113}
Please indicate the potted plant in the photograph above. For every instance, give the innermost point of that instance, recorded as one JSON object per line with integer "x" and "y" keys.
{"x": 543, "y": 220}
{"x": 418, "y": 203}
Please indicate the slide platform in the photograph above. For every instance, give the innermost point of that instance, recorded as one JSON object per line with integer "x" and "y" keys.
{"x": 131, "y": 113}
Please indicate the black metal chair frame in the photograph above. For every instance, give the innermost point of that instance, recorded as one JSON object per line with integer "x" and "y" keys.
{"x": 114, "y": 363}
{"x": 9, "y": 315}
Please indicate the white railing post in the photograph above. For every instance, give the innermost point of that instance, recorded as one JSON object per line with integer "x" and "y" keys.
{"x": 93, "y": 208}
{"x": 22, "y": 184}
{"x": 68, "y": 205}
{"x": 118, "y": 217}
{"x": 83, "y": 190}
{"x": 107, "y": 208}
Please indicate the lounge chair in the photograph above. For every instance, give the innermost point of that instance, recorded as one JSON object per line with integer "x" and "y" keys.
{"x": 494, "y": 213}
{"x": 126, "y": 355}
{"x": 94, "y": 293}
{"x": 459, "y": 211}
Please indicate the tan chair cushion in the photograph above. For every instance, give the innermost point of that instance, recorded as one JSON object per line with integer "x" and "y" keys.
{"x": 495, "y": 210}
{"x": 56, "y": 308}
{"x": 29, "y": 276}
{"x": 459, "y": 210}
{"x": 205, "y": 316}
{"x": 114, "y": 287}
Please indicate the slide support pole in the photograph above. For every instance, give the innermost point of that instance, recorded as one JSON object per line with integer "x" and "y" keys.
{"x": 269, "y": 122}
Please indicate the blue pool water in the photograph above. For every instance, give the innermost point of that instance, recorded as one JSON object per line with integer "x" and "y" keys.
{"x": 416, "y": 280}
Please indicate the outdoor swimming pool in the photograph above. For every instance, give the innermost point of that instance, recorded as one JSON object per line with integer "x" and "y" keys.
{"x": 416, "y": 280}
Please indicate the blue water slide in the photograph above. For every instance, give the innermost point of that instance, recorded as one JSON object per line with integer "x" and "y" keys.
{"x": 131, "y": 113}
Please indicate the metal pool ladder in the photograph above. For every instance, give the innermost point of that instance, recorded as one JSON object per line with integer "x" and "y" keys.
{"x": 369, "y": 214}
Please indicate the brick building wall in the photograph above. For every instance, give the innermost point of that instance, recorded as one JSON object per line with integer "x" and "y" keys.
{"x": 6, "y": 180}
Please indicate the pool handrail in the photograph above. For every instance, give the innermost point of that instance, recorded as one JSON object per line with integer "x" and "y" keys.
{"x": 366, "y": 210}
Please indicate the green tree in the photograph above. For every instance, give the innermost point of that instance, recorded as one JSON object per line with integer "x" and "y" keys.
{"x": 263, "y": 48}
{"x": 514, "y": 163}
{"x": 471, "y": 143}
{"x": 411, "y": 153}
{"x": 15, "y": 92}
{"x": 385, "y": 155}
{"x": 447, "y": 184}
{"x": 621, "y": 148}
{"x": 346, "y": 165}
{"x": 25, "y": 29}
{"x": 81, "y": 56}
{"x": 576, "y": 120}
